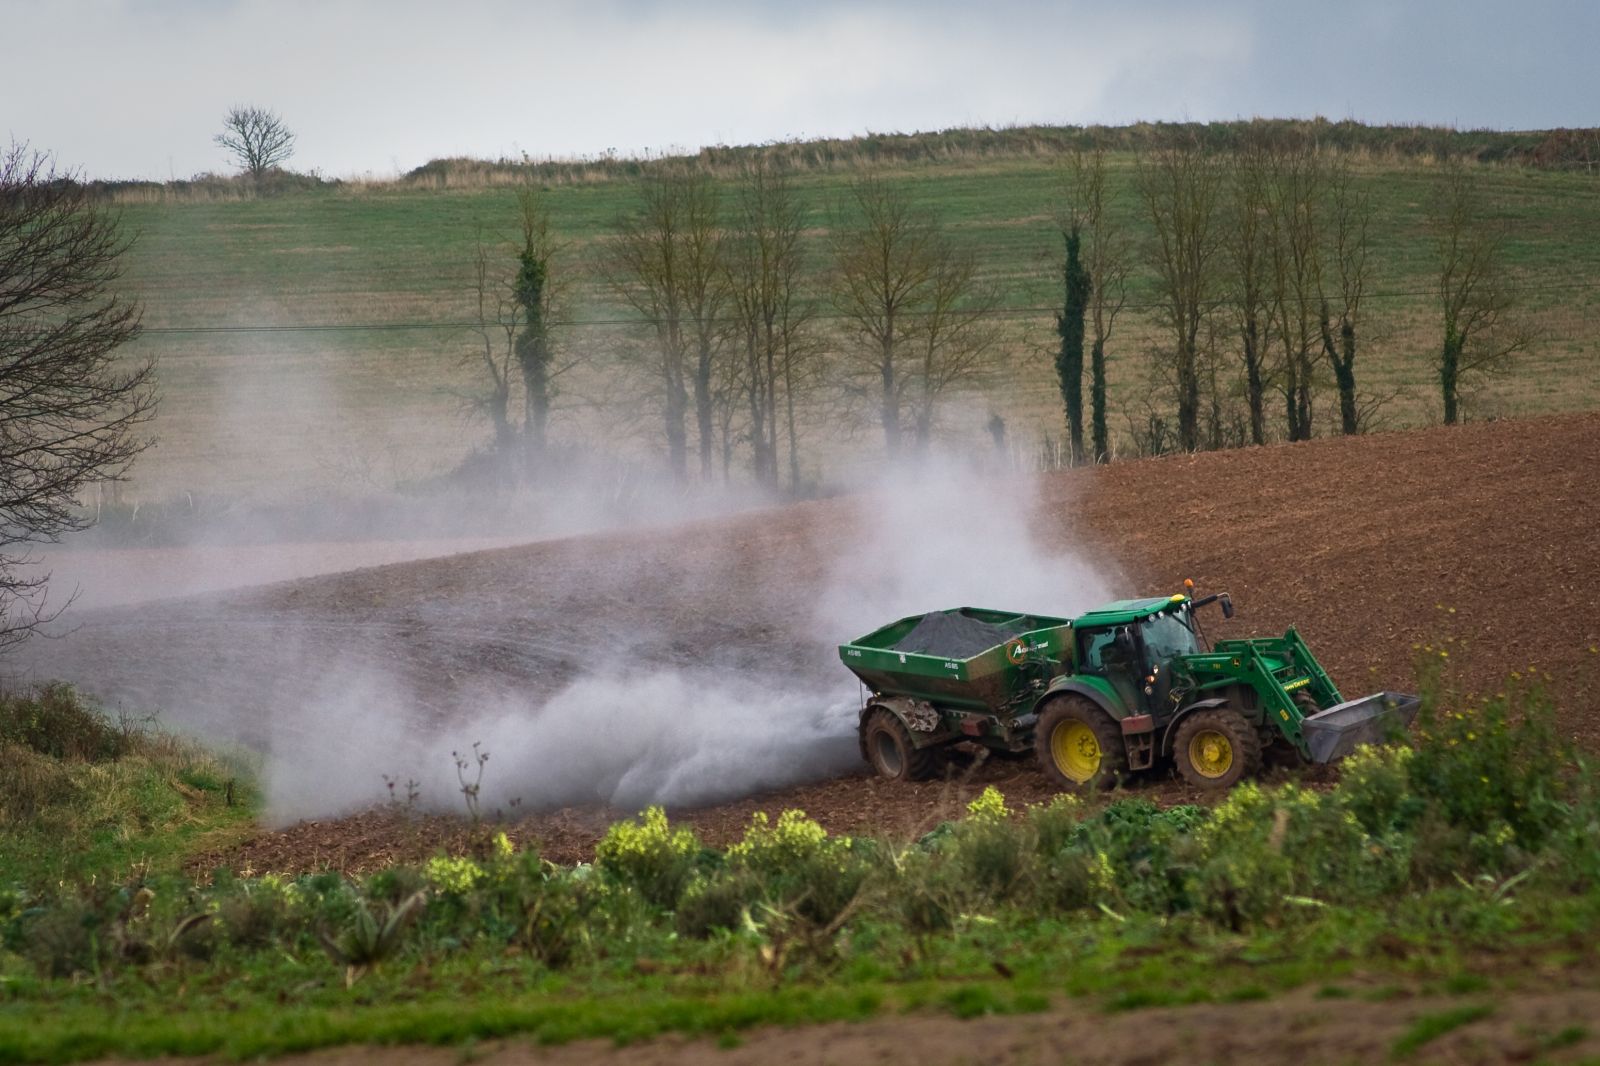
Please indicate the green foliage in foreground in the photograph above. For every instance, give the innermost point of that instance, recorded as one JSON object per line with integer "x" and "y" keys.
{"x": 87, "y": 800}
{"x": 1443, "y": 867}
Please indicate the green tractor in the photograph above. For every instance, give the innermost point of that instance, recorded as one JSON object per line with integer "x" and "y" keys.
{"x": 1126, "y": 687}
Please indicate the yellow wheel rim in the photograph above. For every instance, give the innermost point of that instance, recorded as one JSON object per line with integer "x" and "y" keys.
{"x": 1076, "y": 751}
{"x": 1211, "y": 753}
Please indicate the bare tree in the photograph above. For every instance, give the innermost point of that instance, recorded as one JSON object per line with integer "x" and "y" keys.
{"x": 71, "y": 408}
{"x": 1482, "y": 332}
{"x": 885, "y": 259}
{"x": 1085, "y": 205}
{"x": 645, "y": 267}
{"x": 1347, "y": 242}
{"x": 1181, "y": 183}
{"x": 704, "y": 283}
{"x": 1296, "y": 290}
{"x": 667, "y": 263}
{"x": 1248, "y": 245}
{"x": 955, "y": 336}
{"x": 256, "y": 138}
{"x": 886, "y": 256}
{"x": 498, "y": 322}
{"x": 765, "y": 264}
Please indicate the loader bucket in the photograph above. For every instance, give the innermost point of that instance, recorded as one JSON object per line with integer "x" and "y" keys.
{"x": 1339, "y": 730}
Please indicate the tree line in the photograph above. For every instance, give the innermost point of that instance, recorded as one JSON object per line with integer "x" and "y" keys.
{"x": 736, "y": 331}
{"x": 1255, "y": 264}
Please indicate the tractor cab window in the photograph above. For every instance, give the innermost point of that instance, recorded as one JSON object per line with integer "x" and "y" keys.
{"x": 1169, "y": 636}
{"x": 1100, "y": 651}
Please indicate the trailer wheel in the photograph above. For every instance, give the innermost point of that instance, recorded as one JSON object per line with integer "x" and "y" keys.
{"x": 1079, "y": 746}
{"x": 887, "y": 745}
{"x": 1216, "y": 749}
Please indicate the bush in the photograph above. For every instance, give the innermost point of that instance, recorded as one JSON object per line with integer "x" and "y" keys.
{"x": 1375, "y": 787}
{"x": 1260, "y": 847}
{"x": 1498, "y": 770}
{"x": 1141, "y": 853}
{"x": 31, "y": 784}
{"x": 719, "y": 901}
{"x": 258, "y": 914}
{"x": 924, "y": 898}
{"x": 649, "y": 856}
{"x": 797, "y": 864}
{"x": 66, "y": 939}
{"x": 55, "y": 721}
{"x": 993, "y": 857}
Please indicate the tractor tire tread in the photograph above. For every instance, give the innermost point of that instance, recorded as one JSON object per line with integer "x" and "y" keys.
{"x": 916, "y": 764}
{"x": 1242, "y": 736}
{"x": 1114, "y": 765}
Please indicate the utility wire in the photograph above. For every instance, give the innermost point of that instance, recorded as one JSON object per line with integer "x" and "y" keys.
{"x": 400, "y": 327}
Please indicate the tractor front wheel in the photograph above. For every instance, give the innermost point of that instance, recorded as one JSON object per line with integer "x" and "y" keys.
{"x": 1216, "y": 749}
{"x": 1080, "y": 748}
{"x": 886, "y": 743}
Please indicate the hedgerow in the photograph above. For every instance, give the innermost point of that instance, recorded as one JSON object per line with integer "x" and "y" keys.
{"x": 1397, "y": 827}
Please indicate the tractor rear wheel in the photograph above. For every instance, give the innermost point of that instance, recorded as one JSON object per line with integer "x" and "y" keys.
{"x": 1216, "y": 749}
{"x": 1080, "y": 748}
{"x": 886, "y": 743}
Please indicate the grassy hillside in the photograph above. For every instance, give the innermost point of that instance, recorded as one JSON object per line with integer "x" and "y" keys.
{"x": 354, "y": 406}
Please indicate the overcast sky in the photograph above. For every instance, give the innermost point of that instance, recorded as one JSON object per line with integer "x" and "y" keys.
{"x": 137, "y": 88}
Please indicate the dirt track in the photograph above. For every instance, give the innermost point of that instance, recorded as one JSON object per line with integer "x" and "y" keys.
{"x": 1483, "y": 534}
{"x": 1544, "y": 1025}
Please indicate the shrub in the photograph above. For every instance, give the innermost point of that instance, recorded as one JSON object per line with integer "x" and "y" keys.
{"x": 1374, "y": 786}
{"x": 992, "y": 856}
{"x": 396, "y": 883}
{"x": 772, "y": 850}
{"x": 797, "y": 864}
{"x": 257, "y": 914}
{"x": 31, "y": 784}
{"x": 55, "y": 720}
{"x": 517, "y": 898}
{"x": 718, "y": 901}
{"x": 922, "y": 894}
{"x": 649, "y": 856}
{"x": 554, "y": 913}
{"x": 372, "y": 934}
{"x": 64, "y": 940}
{"x": 453, "y": 875}
{"x": 1577, "y": 843}
{"x": 1055, "y": 824}
{"x": 1496, "y": 770}
{"x": 1135, "y": 852}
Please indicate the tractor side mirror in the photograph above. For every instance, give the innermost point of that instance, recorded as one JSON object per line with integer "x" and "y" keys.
{"x": 1227, "y": 605}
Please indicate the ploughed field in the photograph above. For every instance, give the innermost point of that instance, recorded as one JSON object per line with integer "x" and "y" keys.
{"x": 1479, "y": 541}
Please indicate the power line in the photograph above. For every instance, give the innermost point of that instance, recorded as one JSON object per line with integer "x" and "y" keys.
{"x": 402, "y": 327}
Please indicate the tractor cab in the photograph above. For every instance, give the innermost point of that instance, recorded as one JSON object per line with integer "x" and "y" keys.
{"x": 1132, "y": 644}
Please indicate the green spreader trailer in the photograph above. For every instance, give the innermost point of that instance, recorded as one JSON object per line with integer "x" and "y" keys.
{"x": 1128, "y": 686}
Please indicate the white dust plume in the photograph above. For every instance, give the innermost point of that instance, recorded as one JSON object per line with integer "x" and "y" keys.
{"x": 935, "y": 537}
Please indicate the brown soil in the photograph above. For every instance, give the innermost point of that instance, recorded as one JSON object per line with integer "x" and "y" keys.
{"x": 1547, "y": 1026}
{"x": 1483, "y": 535}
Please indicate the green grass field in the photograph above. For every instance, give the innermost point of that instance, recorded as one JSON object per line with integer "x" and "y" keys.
{"x": 356, "y": 407}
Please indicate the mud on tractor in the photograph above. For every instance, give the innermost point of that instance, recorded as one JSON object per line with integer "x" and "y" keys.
{"x": 1126, "y": 687}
